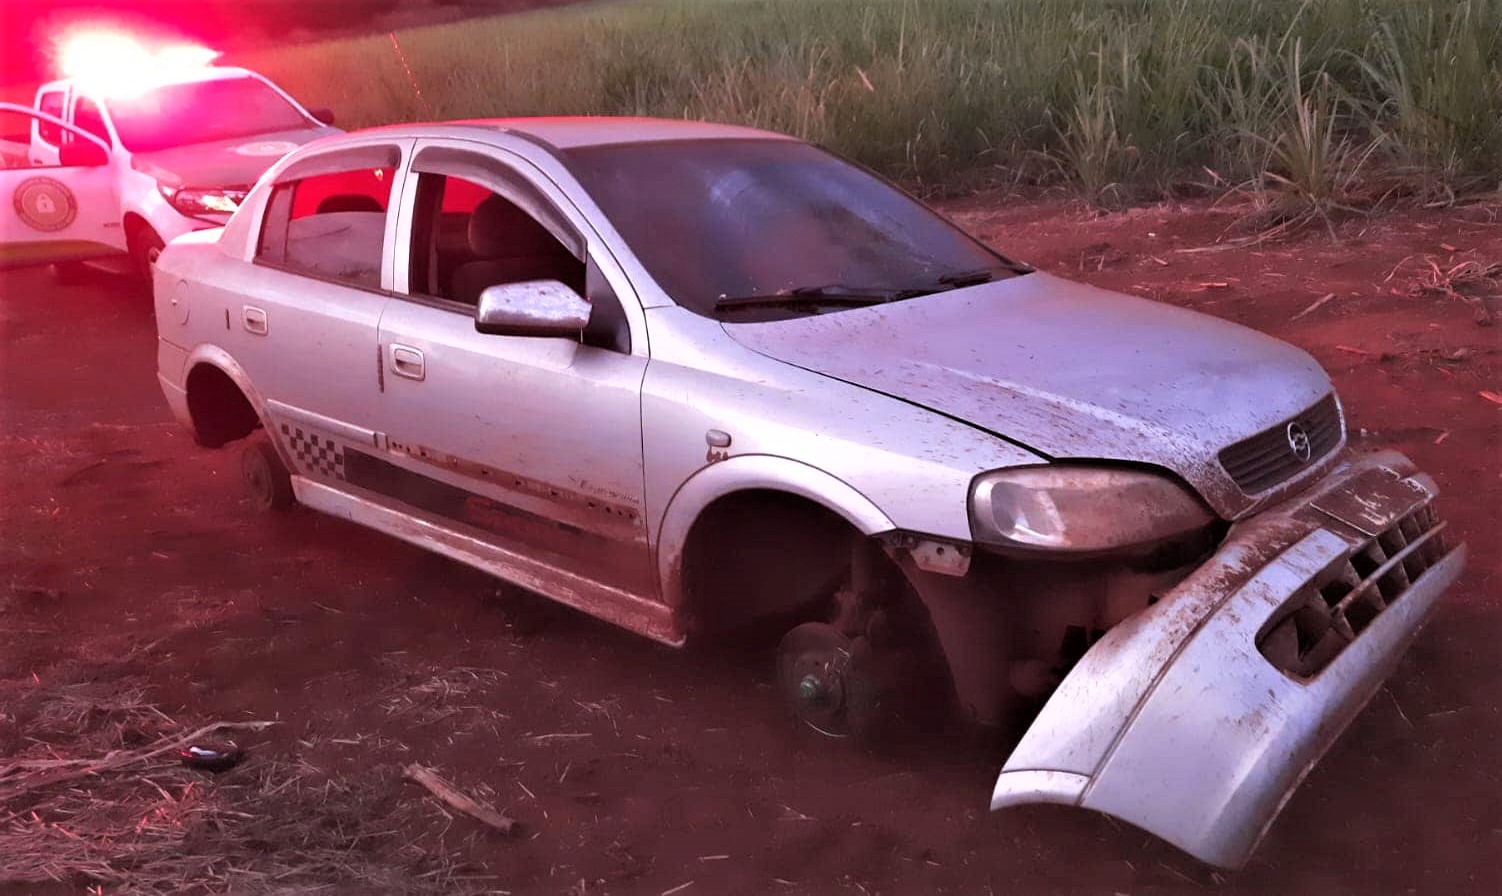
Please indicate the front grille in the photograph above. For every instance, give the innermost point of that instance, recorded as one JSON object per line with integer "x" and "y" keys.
{"x": 1267, "y": 458}
{"x": 1336, "y": 607}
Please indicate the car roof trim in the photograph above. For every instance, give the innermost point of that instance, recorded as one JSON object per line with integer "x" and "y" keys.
{"x": 559, "y": 134}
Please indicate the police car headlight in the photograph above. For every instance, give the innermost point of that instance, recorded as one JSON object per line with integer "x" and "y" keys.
{"x": 194, "y": 201}
{"x": 1081, "y": 509}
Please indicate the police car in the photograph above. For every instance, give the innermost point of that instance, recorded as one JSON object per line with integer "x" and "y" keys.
{"x": 136, "y": 148}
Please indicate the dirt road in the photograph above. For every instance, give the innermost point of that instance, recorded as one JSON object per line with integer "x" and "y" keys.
{"x": 128, "y": 557}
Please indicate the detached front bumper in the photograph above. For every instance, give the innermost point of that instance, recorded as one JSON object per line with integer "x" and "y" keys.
{"x": 1198, "y": 717}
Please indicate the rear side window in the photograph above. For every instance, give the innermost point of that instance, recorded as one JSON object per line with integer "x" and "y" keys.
{"x": 51, "y": 102}
{"x": 87, "y": 116}
{"x": 331, "y": 226}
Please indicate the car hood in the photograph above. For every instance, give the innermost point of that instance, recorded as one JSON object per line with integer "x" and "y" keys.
{"x": 1068, "y": 371}
{"x": 237, "y": 162}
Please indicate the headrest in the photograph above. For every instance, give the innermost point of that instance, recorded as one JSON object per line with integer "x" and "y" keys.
{"x": 498, "y": 229}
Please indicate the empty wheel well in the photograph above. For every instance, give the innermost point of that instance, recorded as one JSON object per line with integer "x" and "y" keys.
{"x": 762, "y": 555}
{"x": 758, "y": 563}
{"x": 134, "y": 223}
{"x": 221, "y": 413}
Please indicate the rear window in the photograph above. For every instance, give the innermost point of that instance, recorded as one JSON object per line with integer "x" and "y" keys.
{"x": 330, "y": 226}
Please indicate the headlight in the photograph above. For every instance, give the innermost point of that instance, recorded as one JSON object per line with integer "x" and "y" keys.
{"x": 194, "y": 201}
{"x": 1081, "y": 509}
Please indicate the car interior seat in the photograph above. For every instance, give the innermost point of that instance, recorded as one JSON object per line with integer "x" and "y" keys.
{"x": 509, "y": 247}
{"x": 348, "y": 202}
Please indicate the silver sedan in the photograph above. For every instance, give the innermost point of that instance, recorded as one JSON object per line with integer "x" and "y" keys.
{"x": 699, "y": 380}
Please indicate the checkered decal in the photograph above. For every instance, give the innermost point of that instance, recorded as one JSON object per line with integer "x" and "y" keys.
{"x": 321, "y": 457}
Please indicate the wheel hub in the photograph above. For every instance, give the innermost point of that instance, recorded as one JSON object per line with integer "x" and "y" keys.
{"x": 813, "y": 689}
{"x": 813, "y": 662}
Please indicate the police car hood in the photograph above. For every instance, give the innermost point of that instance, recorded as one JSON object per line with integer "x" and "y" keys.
{"x": 1067, "y": 370}
{"x": 236, "y": 162}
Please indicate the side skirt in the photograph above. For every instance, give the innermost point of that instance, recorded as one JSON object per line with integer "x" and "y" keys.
{"x": 625, "y": 609}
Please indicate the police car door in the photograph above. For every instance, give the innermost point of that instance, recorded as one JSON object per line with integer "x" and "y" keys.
{"x": 54, "y": 212}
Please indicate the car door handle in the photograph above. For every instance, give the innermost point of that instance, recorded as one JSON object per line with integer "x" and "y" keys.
{"x": 407, "y": 361}
{"x": 255, "y": 320}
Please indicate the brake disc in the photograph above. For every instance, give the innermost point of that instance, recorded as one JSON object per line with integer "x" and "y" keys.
{"x": 813, "y": 663}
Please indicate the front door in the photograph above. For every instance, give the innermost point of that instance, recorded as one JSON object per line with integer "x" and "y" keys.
{"x": 533, "y": 442}
{"x": 54, "y": 210}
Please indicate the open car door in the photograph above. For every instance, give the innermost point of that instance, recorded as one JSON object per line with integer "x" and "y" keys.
{"x": 53, "y": 213}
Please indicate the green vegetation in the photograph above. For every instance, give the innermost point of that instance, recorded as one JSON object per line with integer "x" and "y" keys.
{"x": 1324, "y": 102}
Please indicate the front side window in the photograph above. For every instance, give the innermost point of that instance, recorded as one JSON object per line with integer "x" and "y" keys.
{"x": 15, "y": 144}
{"x": 716, "y": 221}
{"x": 329, "y": 225}
{"x": 87, "y": 116}
{"x": 202, "y": 112}
{"x": 467, "y": 237}
{"x": 51, "y": 102}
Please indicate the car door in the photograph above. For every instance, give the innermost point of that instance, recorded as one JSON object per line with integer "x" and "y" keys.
{"x": 67, "y": 209}
{"x": 533, "y": 442}
{"x": 46, "y": 137}
{"x": 301, "y": 320}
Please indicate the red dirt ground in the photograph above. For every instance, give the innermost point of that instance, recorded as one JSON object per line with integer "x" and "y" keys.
{"x": 128, "y": 554}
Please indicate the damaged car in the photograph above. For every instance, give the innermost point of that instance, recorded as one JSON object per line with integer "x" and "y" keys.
{"x": 695, "y": 379}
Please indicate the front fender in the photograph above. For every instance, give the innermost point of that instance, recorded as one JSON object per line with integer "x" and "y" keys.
{"x": 748, "y": 472}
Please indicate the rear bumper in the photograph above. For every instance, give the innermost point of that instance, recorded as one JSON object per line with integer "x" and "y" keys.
{"x": 1177, "y": 722}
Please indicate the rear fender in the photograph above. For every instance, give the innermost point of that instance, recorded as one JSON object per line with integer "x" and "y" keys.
{"x": 221, "y": 360}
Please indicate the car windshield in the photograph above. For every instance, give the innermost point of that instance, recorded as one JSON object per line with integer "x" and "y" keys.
{"x": 202, "y": 112}
{"x": 782, "y": 227}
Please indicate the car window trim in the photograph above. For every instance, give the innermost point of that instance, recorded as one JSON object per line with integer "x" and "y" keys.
{"x": 273, "y": 216}
{"x": 341, "y": 161}
{"x": 437, "y": 302}
{"x": 321, "y": 278}
{"x": 338, "y": 161}
{"x": 498, "y": 177}
{"x": 420, "y": 291}
{"x": 484, "y": 176}
{"x": 622, "y": 284}
{"x": 62, "y": 107}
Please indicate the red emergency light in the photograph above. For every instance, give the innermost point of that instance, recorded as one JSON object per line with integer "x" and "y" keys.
{"x": 105, "y": 62}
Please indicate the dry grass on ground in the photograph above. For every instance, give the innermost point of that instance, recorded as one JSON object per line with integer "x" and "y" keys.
{"x": 95, "y": 794}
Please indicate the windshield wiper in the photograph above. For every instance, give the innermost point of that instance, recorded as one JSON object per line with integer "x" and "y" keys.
{"x": 833, "y": 294}
{"x": 983, "y": 275}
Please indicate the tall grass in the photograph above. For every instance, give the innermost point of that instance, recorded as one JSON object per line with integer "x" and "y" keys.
{"x": 1119, "y": 97}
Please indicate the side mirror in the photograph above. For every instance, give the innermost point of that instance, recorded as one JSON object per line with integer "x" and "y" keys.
{"x": 323, "y": 114}
{"x": 80, "y": 153}
{"x": 532, "y": 308}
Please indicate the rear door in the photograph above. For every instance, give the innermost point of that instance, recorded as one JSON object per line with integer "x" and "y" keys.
{"x": 301, "y": 321}
{"x": 57, "y": 209}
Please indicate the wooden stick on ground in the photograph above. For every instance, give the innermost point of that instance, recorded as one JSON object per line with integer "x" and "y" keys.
{"x": 456, "y": 799}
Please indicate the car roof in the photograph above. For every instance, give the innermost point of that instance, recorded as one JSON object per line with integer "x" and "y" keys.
{"x": 562, "y": 133}
{"x": 185, "y": 76}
